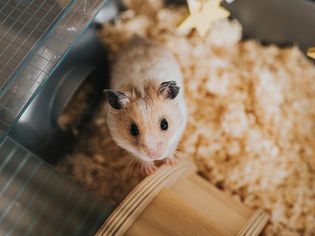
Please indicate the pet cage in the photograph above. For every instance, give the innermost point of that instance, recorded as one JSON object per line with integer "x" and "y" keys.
{"x": 48, "y": 48}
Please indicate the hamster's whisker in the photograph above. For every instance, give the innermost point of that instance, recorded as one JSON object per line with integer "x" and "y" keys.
{"x": 134, "y": 164}
{"x": 131, "y": 165}
{"x": 141, "y": 162}
{"x": 129, "y": 161}
{"x": 128, "y": 164}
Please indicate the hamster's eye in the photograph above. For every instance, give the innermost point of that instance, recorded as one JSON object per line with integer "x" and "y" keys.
{"x": 164, "y": 124}
{"x": 134, "y": 129}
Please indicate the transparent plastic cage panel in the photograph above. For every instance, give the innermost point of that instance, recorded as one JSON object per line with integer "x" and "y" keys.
{"x": 35, "y": 35}
{"x": 36, "y": 200}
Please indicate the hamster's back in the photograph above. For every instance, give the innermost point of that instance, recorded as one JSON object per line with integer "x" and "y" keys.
{"x": 142, "y": 60}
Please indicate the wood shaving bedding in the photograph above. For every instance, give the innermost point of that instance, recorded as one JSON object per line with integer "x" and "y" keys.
{"x": 251, "y": 128}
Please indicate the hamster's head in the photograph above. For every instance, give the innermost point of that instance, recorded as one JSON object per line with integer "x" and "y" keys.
{"x": 146, "y": 123}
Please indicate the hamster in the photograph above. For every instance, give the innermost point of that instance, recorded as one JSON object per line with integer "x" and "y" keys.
{"x": 147, "y": 110}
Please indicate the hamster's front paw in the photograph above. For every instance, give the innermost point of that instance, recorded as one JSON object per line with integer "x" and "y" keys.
{"x": 170, "y": 161}
{"x": 147, "y": 168}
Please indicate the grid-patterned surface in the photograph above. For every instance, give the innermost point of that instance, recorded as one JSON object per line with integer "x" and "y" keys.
{"x": 34, "y": 37}
{"x": 23, "y": 23}
{"x": 35, "y": 200}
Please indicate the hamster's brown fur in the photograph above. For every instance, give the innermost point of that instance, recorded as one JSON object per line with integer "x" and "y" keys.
{"x": 139, "y": 73}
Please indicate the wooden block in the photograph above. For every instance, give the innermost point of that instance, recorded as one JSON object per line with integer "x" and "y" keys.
{"x": 212, "y": 203}
{"x": 169, "y": 215}
{"x": 176, "y": 201}
{"x": 136, "y": 201}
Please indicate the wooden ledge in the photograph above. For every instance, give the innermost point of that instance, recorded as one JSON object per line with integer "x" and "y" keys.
{"x": 175, "y": 201}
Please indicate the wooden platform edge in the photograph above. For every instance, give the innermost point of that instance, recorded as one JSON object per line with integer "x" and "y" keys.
{"x": 255, "y": 224}
{"x": 126, "y": 214}
{"x": 139, "y": 198}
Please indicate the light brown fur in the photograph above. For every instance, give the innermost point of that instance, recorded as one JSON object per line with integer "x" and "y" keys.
{"x": 146, "y": 87}
{"x": 146, "y": 110}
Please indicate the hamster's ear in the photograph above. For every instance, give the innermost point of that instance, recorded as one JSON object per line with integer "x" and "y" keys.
{"x": 168, "y": 89}
{"x": 116, "y": 99}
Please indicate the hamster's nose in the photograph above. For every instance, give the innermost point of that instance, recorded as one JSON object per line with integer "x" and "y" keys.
{"x": 152, "y": 153}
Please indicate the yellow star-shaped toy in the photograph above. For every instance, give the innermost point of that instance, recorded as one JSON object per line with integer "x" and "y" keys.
{"x": 311, "y": 52}
{"x": 202, "y": 14}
